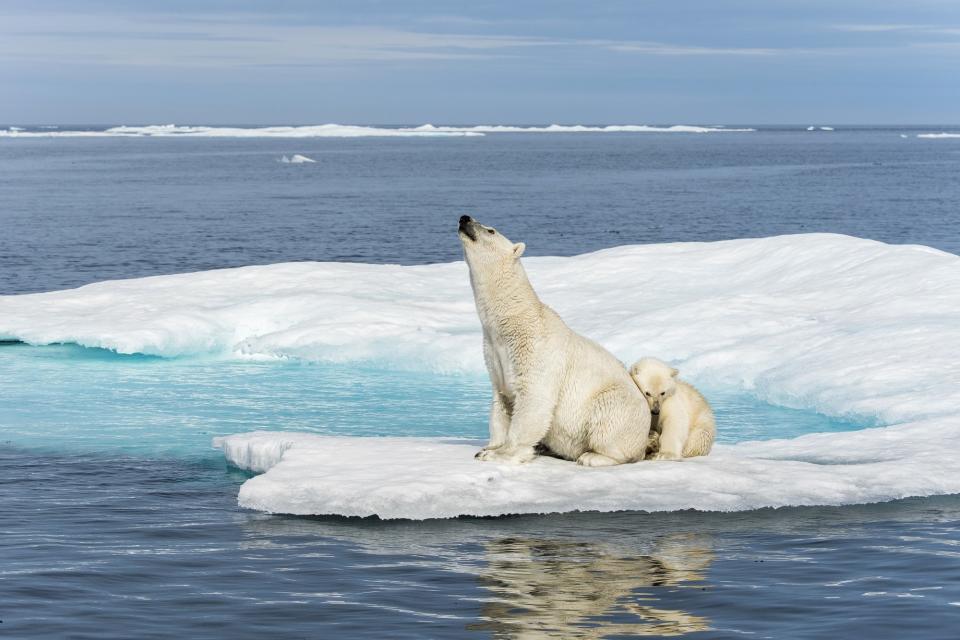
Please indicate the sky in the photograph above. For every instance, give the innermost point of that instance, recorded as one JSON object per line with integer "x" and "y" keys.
{"x": 484, "y": 61}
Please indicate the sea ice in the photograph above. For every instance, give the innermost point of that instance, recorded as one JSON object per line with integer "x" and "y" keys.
{"x": 938, "y": 135}
{"x": 419, "y": 478}
{"x": 350, "y": 131}
{"x": 296, "y": 159}
{"x": 827, "y": 323}
{"x": 579, "y": 128}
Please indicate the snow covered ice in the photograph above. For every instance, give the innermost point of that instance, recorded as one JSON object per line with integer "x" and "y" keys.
{"x": 826, "y": 323}
{"x": 419, "y": 478}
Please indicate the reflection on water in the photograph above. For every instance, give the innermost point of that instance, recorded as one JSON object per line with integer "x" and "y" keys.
{"x": 534, "y": 576}
{"x": 562, "y": 589}
{"x": 537, "y": 577}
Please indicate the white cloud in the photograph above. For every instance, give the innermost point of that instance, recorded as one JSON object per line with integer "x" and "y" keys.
{"x": 167, "y": 41}
{"x": 662, "y": 49}
{"x": 240, "y": 40}
{"x": 905, "y": 28}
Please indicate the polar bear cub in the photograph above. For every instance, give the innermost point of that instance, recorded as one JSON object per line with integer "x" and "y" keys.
{"x": 684, "y": 418}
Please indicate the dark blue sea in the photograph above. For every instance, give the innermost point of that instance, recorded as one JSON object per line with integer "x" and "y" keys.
{"x": 117, "y": 519}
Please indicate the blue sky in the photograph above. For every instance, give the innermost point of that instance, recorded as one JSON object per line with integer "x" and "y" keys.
{"x": 486, "y": 61}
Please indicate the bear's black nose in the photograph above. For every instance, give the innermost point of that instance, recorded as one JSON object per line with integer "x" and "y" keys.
{"x": 464, "y": 219}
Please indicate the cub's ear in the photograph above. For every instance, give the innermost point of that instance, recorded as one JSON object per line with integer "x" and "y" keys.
{"x": 518, "y": 249}
{"x": 674, "y": 373}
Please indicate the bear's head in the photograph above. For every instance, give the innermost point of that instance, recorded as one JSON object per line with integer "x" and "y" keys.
{"x": 485, "y": 247}
{"x": 657, "y": 381}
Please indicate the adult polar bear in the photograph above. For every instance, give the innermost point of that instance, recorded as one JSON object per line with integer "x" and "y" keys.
{"x": 550, "y": 385}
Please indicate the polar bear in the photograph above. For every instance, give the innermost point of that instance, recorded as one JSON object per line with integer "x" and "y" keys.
{"x": 684, "y": 418}
{"x": 551, "y": 386}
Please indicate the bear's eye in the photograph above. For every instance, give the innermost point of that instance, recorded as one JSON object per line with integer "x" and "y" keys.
{"x": 663, "y": 393}
{"x": 491, "y": 231}
{"x": 646, "y": 393}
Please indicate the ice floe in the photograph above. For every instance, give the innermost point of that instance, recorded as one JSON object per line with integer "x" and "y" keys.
{"x": 813, "y": 321}
{"x": 419, "y": 478}
{"x": 296, "y": 159}
{"x": 829, "y": 323}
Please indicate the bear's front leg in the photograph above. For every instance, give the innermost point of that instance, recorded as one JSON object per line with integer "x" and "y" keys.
{"x": 512, "y": 455}
{"x": 530, "y": 422}
{"x": 499, "y": 423}
{"x": 673, "y": 434}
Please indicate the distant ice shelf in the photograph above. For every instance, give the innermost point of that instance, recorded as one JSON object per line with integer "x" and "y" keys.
{"x": 349, "y": 131}
{"x": 938, "y": 135}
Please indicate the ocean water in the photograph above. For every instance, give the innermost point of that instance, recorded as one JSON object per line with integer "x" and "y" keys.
{"x": 79, "y": 210}
{"x": 120, "y": 520}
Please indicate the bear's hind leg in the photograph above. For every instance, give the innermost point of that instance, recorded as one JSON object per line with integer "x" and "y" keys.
{"x": 616, "y": 430}
{"x": 698, "y": 443}
{"x": 591, "y": 459}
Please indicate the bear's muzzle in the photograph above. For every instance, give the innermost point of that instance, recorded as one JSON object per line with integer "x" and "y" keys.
{"x": 466, "y": 227}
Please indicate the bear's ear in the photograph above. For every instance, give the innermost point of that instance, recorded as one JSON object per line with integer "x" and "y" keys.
{"x": 674, "y": 373}
{"x": 518, "y": 249}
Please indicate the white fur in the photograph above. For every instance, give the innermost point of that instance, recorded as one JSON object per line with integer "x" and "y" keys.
{"x": 686, "y": 424}
{"x": 550, "y": 385}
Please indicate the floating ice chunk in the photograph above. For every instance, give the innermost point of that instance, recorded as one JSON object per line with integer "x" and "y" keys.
{"x": 826, "y": 128}
{"x": 938, "y": 135}
{"x": 903, "y": 135}
{"x": 419, "y": 478}
{"x": 296, "y": 159}
{"x": 811, "y": 128}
